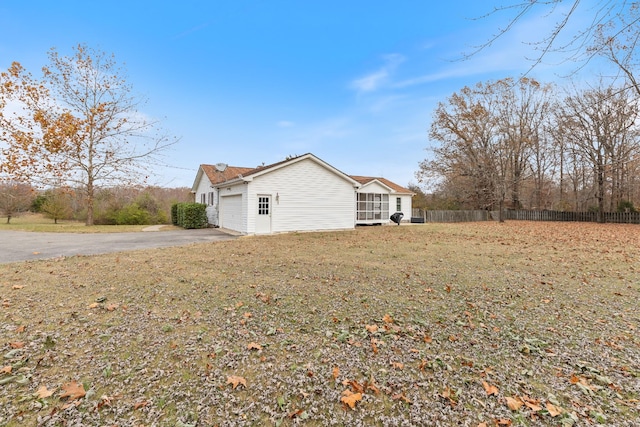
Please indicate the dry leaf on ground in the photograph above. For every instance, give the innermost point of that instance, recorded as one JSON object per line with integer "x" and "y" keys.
{"x": 554, "y": 410}
{"x": 235, "y": 381}
{"x": 43, "y": 392}
{"x": 73, "y": 390}
{"x": 490, "y": 389}
{"x": 514, "y": 403}
{"x": 349, "y": 398}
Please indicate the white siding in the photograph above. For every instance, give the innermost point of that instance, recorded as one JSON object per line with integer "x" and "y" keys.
{"x": 204, "y": 187}
{"x": 305, "y": 196}
{"x": 406, "y": 205}
{"x": 374, "y": 187}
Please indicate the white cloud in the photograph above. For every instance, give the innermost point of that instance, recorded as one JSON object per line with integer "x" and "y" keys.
{"x": 285, "y": 124}
{"x": 376, "y": 79}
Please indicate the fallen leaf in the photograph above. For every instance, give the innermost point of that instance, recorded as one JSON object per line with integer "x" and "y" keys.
{"x": 371, "y": 385}
{"x": 254, "y": 346}
{"x": 6, "y": 370}
{"x": 42, "y": 392}
{"x": 514, "y": 403}
{"x": 247, "y": 315}
{"x": 400, "y": 396}
{"x": 372, "y": 328}
{"x": 427, "y": 339}
{"x": 374, "y": 346}
{"x": 94, "y": 305}
{"x": 350, "y": 399}
{"x": 73, "y": 390}
{"x": 139, "y": 405}
{"x": 387, "y": 319}
{"x": 490, "y": 389}
{"x": 554, "y": 410}
{"x": 533, "y": 406}
{"x": 398, "y": 365}
{"x": 17, "y": 287}
{"x": 356, "y": 387}
{"x": 235, "y": 381}
{"x": 503, "y": 422}
{"x": 20, "y": 329}
{"x": 449, "y": 394}
{"x": 112, "y": 307}
{"x": 16, "y": 344}
{"x": 335, "y": 372}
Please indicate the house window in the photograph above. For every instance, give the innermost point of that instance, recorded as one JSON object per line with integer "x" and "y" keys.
{"x": 263, "y": 205}
{"x": 372, "y": 207}
{"x": 398, "y": 204}
{"x": 211, "y": 198}
{"x": 203, "y": 198}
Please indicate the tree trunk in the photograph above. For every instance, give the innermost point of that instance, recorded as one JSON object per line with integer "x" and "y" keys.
{"x": 600, "y": 193}
{"x": 89, "y": 220}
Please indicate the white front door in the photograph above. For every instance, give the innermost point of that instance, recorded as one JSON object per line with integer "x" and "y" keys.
{"x": 263, "y": 219}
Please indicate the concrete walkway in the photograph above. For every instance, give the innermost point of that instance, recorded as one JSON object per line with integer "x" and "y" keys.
{"x": 25, "y": 245}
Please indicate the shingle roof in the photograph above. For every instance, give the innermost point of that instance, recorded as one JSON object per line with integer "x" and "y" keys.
{"x": 233, "y": 172}
{"x": 367, "y": 179}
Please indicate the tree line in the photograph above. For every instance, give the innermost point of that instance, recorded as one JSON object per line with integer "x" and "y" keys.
{"x": 112, "y": 206}
{"x": 517, "y": 144}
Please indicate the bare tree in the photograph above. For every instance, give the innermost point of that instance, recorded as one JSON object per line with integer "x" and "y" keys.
{"x": 599, "y": 126}
{"x": 488, "y": 135}
{"x": 613, "y": 32}
{"x": 15, "y": 198}
{"x": 79, "y": 124}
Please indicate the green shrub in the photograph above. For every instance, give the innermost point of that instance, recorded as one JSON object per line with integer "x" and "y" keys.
{"x": 132, "y": 214}
{"x": 626, "y": 206}
{"x": 192, "y": 215}
{"x": 174, "y": 213}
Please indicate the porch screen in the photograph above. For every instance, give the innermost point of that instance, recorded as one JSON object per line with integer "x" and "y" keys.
{"x": 372, "y": 207}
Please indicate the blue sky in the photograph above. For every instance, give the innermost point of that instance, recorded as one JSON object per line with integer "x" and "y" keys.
{"x": 247, "y": 82}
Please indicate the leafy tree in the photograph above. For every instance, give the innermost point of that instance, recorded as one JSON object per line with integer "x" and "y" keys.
{"x": 57, "y": 205}
{"x": 79, "y": 124}
{"x": 419, "y": 199}
{"x": 15, "y": 198}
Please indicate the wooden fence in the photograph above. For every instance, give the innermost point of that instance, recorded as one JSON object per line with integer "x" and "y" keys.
{"x": 450, "y": 216}
{"x": 612, "y": 217}
{"x": 522, "y": 215}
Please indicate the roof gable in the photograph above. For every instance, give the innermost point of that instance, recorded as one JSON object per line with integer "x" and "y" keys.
{"x": 231, "y": 172}
{"x": 250, "y": 174}
{"x": 237, "y": 173}
{"x": 395, "y": 188}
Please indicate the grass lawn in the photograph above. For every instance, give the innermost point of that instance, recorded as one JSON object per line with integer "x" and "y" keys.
{"x": 479, "y": 324}
{"x": 38, "y": 222}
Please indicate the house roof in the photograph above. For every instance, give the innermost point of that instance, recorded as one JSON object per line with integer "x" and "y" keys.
{"x": 235, "y": 173}
{"x": 364, "y": 180}
{"x": 231, "y": 172}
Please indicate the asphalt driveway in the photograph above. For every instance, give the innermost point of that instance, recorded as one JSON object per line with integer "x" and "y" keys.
{"x": 25, "y": 245}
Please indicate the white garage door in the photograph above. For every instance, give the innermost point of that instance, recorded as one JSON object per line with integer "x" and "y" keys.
{"x": 231, "y": 212}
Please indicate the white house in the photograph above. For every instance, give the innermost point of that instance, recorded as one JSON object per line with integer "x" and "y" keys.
{"x": 299, "y": 194}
